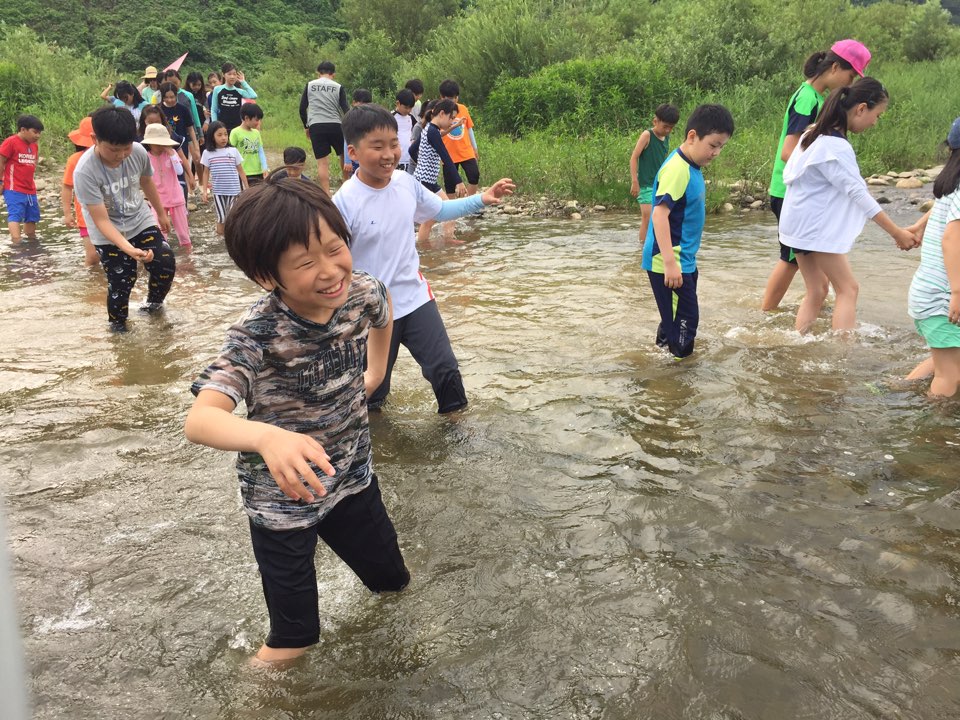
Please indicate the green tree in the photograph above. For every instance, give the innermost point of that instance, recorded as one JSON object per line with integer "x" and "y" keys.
{"x": 406, "y": 23}
{"x": 928, "y": 36}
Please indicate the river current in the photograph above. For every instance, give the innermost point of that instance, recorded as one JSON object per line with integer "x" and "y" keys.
{"x": 769, "y": 529}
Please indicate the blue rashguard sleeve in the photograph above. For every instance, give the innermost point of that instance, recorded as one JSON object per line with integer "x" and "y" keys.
{"x": 246, "y": 91}
{"x": 473, "y": 139}
{"x": 453, "y": 209}
{"x": 263, "y": 159}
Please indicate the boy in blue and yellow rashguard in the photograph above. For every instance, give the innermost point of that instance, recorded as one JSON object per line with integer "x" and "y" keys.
{"x": 673, "y": 238}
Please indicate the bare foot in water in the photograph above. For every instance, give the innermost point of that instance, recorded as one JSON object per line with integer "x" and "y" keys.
{"x": 268, "y": 658}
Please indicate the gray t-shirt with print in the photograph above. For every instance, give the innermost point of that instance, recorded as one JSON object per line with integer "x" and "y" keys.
{"x": 117, "y": 189}
{"x": 307, "y": 378}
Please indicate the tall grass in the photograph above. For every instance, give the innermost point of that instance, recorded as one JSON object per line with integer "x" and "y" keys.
{"x": 57, "y": 85}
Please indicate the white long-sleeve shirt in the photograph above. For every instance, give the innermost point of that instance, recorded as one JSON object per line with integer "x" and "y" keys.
{"x": 827, "y": 202}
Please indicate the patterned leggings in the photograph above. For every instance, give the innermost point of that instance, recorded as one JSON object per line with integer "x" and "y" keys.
{"x": 121, "y": 272}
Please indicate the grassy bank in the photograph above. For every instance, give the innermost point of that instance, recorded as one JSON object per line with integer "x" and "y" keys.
{"x": 595, "y": 168}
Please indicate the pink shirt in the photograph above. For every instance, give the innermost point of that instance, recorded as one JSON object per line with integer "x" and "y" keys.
{"x": 165, "y": 178}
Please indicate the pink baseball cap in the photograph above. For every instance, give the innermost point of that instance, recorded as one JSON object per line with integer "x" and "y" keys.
{"x": 853, "y": 52}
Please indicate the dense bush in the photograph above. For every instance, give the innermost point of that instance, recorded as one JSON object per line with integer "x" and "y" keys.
{"x": 580, "y": 96}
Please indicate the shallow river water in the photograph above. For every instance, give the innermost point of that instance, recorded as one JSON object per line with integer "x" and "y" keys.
{"x": 767, "y": 530}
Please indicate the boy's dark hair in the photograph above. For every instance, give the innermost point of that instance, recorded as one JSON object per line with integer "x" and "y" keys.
{"x": 833, "y": 116}
{"x": 267, "y": 219}
{"x": 216, "y": 74}
{"x": 415, "y": 86}
{"x": 326, "y": 68}
{"x": 167, "y": 86}
{"x": 362, "y": 95}
{"x": 707, "y": 119}
{"x": 436, "y": 107}
{"x": 251, "y": 110}
{"x": 114, "y": 125}
{"x": 29, "y": 122}
{"x": 209, "y": 143}
{"x": 821, "y": 61}
{"x": 172, "y": 73}
{"x": 667, "y": 113}
{"x": 227, "y": 67}
{"x": 294, "y": 156}
{"x": 405, "y": 97}
{"x": 449, "y": 89}
{"x": 364, "y": 119}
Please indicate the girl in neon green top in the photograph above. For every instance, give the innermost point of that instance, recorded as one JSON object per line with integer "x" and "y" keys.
{"x": 824, "y": 71}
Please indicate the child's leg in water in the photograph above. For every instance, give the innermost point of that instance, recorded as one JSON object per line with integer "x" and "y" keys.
{"x": 837, "y": 269}
{"x": 645, "y": 210}
{"x": 946, "y": 372}
{"x": 921, "y": 371}
{"x": 816, "y": 284}
{"x": 423, "y": 234}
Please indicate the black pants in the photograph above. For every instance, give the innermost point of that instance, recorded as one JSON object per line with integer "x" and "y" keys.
{"x": 358, "y": 530}
{"x": 121, "y": 272}
{"x": 679, "y": 313}
{"x": 423, "y": 334}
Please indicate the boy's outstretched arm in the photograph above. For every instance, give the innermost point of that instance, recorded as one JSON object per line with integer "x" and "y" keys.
{"x": 211, "y": 422}
{"x": 453, "y": 209}
{"x": 378, "y": 351}
{"x": 497, "y": 191}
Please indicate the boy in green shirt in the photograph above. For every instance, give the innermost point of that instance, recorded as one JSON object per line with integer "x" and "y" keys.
{"x": 246, "y": 138}
{"x": 651, "y": 150}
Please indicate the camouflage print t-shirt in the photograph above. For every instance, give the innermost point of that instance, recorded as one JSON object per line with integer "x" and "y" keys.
{"x": 307, "y": 378}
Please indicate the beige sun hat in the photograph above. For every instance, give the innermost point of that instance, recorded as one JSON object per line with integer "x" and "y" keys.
{"x": 150, "y": 73}
{"x": 157, "y": 134}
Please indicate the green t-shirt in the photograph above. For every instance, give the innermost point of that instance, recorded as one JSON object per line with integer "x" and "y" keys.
{"x": 801, "y": 112}
{"x": 250, "y": 145}
{"x": 651, "y": 159}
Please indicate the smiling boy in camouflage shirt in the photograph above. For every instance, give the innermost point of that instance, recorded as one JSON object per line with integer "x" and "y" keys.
{"x": 297, "y": 360}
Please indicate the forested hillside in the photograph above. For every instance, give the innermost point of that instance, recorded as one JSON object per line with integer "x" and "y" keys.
{"x": 132, "y": 33}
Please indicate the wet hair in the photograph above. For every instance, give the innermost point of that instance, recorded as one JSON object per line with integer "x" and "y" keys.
{"x": 31, "y": 122}
{"x": 167, "y": 86}
{"x": 707, "y": 119}
{"x": 268, "y": 219}
{"x": 405, "y": 97}
{"x": 227, "y": 67}
{"x": 209, "y": 143}
{"x": 114, "y": 125}
{"x": 364, "y": 119}
{"x": 145, "y": 113}
{"x": 362, "y": 95}
{"x": 821, "y": 61}
{"x": 294, "y": 156}
{"x": 173, "y": 73}
{"x": 127, "y": 88}
{"x": 199, "y": 95}
{"x": 415, "y": 86}
{"x": 326, "y": 68}
{"x": 833, "y": 116}
{"x": 446, "y": 106}
{"x": 251, "y": 110}
{"x": 449, "y": 89}
{"x": 667, "y": 113}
